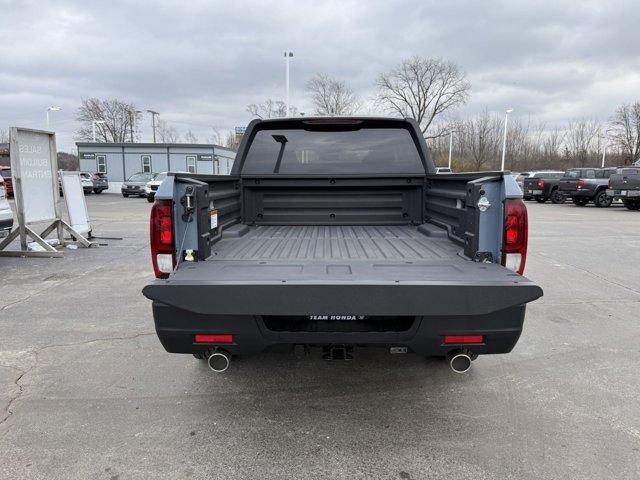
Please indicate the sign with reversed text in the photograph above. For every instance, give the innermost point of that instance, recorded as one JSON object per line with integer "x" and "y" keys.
{"x": 34, "y": 171}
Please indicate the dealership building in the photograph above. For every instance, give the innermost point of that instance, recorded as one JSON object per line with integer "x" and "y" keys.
{"x": 118, "y": 161}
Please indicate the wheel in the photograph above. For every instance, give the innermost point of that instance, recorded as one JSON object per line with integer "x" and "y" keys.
{"x": 602, "y": 200}
{"x": 579, "y": 201}
{"x": 97, "y": 190}
{"x": 125, "y": 195}
{"x": 150, "y": 199}
{"x": 557, "y": 197}
{"x": 540, "y": 199}
{"x": 632, "y": 204}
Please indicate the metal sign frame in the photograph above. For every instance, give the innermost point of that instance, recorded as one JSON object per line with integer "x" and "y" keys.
{"x": 68, "y": 198}
{"x": 23, "y": 230}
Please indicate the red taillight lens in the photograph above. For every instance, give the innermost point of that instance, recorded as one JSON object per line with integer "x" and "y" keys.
{"x": 609, "y": 183}
{"x": 540, "y": 183}
{"x": 580, "y": 183}
{"x": 202, "y": 338}
{"x": 161, "y": 233}
{"x": 514, "y": 249}
{"x": 463, "y": 339}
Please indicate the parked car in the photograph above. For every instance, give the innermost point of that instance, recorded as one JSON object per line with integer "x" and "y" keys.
{"x": 86, "y": 180}
{"x": 100, "y": 182}
{"x": 586, "y": 185}
{"x": 6, "y": 214}
{"x": 358, "y": 243}
{"x": 152, "y": 185}
{"x": 520, "y": 179}
{"x": 625, "y": 185}
{"x": 5, "y": 172}
{"x": 135, "y": 184}
{"x": 543, "y": 186}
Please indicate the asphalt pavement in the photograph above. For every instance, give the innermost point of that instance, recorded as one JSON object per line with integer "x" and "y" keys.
{"x": 87, "y": 391}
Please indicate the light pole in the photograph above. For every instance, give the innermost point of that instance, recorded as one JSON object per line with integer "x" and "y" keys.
{"x": 287, "y": 56}
{"x": 153, "y": 123}
{"x": 504, "y": 139}
{"x": 132, "y": 117}
{"x": 450, "y": 147}
{"x": 93, "y": 127}
{"x": 51, "y": 109}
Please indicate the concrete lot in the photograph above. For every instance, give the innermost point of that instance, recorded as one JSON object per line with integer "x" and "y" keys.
{"x": 86, "y": 390}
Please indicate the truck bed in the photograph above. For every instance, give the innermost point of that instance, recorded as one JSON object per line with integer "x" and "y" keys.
{"x": 346, "y": 268}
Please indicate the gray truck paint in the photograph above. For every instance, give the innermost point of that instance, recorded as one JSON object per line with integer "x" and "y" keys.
{"x": 425, "y": 246}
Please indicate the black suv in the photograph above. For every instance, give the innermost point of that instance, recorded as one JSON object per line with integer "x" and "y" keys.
{"x": 586, "y": 185}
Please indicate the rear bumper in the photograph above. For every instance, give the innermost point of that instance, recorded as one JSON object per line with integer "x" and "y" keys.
{"x": 624, "y": 194}
{"x": 177, "y": 328}
{"x": 133, "y": 191}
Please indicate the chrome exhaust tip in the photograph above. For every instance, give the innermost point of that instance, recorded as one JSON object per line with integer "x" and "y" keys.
{"x": 459, "y": 361}
{"x": 219, "y": 361}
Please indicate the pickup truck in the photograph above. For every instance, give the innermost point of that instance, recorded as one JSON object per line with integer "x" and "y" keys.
{"x": 625, "y": 185}
{"x": 587, "y": 184}
{"x": 333, "y": 234}
{"x": 543, "y": 186}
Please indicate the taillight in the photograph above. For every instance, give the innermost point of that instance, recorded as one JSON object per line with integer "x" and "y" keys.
{"x": 514, "y": 248}
{"x": 609, "y": 183}
{"x": 580, "y": 183}
{"x": 540, "y": 183}
{"x": 161, "y": 233}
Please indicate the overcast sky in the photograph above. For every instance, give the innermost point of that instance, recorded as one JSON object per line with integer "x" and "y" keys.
{"x": 199, "y": 63}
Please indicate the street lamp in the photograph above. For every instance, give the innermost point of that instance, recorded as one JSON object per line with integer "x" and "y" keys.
{"x": 450, "y": 147}
{"x": 93, "y": 127}
{"x": 51, "y": 109}
{"x": 287, "y": 57}
{"x": 504, "y": 139}
{"x": 153, "y": 123}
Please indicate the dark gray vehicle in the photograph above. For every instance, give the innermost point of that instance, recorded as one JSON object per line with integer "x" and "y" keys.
{"x": 100, "y": 182}
{"x": 543, "y": 186}
{"x": 334, "y": 234}
{"x": 625, "y": 185}
{"x": 586, "y": 185}
{"x": 135, "y": 184}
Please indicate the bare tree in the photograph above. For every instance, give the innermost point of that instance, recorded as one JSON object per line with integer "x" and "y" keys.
{"x": 481, "y": 136}
{"x": 68, "y": 161}
{"x": 581, "y": 142}
{"x": 423, "y": 88}
{"x": 216, "y": 137}
{"x": 232, "y": 141}
{"x": 167, "y": 133}
{"x": 331, "y": 96}
{"x": 118, "y": 120}
{"x": 625, "y": 130}
{"x": 4, "y": 136}
{"x": 271, "y": 109}
{"x": 189, "y": 137}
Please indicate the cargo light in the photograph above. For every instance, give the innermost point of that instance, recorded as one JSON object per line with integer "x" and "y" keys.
{"x": 161, "y": 233}
{"x": 514, "y": 248}
{"x": 457, "y": 339}
{"x": 217, "y": 338}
